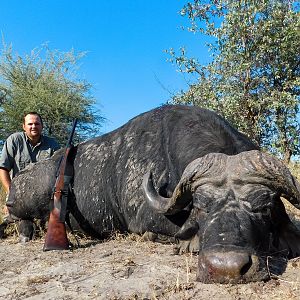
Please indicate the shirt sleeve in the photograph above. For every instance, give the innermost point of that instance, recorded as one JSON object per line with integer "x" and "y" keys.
{"x": 7, "y": 155}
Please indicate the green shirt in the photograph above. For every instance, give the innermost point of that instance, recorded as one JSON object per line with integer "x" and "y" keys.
{"x": 18, "y": 152}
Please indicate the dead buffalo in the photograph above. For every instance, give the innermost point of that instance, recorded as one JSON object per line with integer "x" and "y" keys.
{"x": 206, "y": 184}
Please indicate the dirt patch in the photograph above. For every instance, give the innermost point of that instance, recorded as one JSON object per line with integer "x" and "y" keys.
{"x": 123, "y": 268}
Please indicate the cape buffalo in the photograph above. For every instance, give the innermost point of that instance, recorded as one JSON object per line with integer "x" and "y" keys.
{"x": 182, "y": 172}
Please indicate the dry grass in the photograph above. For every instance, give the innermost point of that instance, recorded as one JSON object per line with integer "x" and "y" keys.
{"x": 109, "y": 267}
{"x": 294, "y": 167}
{"x": 12, "y": 231}
{"x": 2, "y": 202}
{"x": 118, "y": 236}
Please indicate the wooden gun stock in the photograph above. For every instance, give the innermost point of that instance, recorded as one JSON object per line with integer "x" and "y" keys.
{"x": 56, "y": 236}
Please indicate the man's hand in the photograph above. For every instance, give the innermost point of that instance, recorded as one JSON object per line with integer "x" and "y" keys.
{"x": 5, "y": 211}
{"x": 5, "y": 179}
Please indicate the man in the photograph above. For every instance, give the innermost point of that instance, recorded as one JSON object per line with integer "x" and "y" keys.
{"x": 20, "y": 150}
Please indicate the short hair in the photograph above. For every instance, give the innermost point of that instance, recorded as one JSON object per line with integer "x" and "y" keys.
{"x": 32, "y": 113}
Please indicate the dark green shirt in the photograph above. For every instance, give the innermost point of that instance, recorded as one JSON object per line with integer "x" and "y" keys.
{"x": 18, "y": 152}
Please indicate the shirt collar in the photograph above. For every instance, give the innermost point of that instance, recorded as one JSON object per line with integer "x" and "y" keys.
{"x": 28, "y": 139}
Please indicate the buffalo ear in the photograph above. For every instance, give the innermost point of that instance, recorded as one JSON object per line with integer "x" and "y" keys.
{"x": 289, "y": 239}
{"x": 188, "y": 230}
{"x": 287, "y": 234}
{"x": 189, "y": 239}
{"x": 191, "y": 227}
{"x": 294, "y": 198}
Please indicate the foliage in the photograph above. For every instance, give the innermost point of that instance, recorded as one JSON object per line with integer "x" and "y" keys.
{"x": 45, "y": 81}
{"x": 253, "y": 78}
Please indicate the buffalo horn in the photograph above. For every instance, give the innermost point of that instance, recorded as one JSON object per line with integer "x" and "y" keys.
{"x": 282, "y": 179}
{"x": 181, "y": 197}
{"x": 272, "y": 172}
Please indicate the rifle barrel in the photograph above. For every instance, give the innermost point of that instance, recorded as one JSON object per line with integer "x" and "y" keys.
{"x": 72, "y": 133}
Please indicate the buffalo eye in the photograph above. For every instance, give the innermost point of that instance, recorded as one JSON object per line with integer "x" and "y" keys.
{"x": 261, "y": 202}
{"x": 265, "y": 211}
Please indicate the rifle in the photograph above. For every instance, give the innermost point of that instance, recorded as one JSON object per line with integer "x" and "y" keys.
{"x": 56, "y": 236}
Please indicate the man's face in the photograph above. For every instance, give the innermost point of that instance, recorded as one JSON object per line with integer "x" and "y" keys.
{"x": 33, "y": 126}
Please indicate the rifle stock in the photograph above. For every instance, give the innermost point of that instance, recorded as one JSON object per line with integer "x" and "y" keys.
{"x": 56, "y": 236}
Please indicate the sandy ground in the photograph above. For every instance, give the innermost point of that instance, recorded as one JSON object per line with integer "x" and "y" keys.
{"x": 122, "y": 268}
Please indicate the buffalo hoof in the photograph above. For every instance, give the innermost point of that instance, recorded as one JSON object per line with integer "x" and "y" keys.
{"x": 158, "y": 238}
{"x": 229, "y": 267}
{"x": 2, "y": 230}
{"x": 188, "y": 246}
{"x": 23, "y": 239}
{"x": 26, "y": 229}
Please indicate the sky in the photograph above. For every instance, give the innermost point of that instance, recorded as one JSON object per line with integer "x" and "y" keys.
{"x": 125, "y": 41}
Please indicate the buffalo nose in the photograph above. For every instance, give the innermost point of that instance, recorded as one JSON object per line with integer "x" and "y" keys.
{"x": 223, "y": 267}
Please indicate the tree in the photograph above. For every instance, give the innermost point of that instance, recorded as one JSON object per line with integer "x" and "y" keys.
{"x": 253, "y": 78}
{"x": 45, "y": 81}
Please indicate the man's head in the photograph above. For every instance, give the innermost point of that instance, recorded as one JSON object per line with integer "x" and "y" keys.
{"x": 33, "y": 126}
